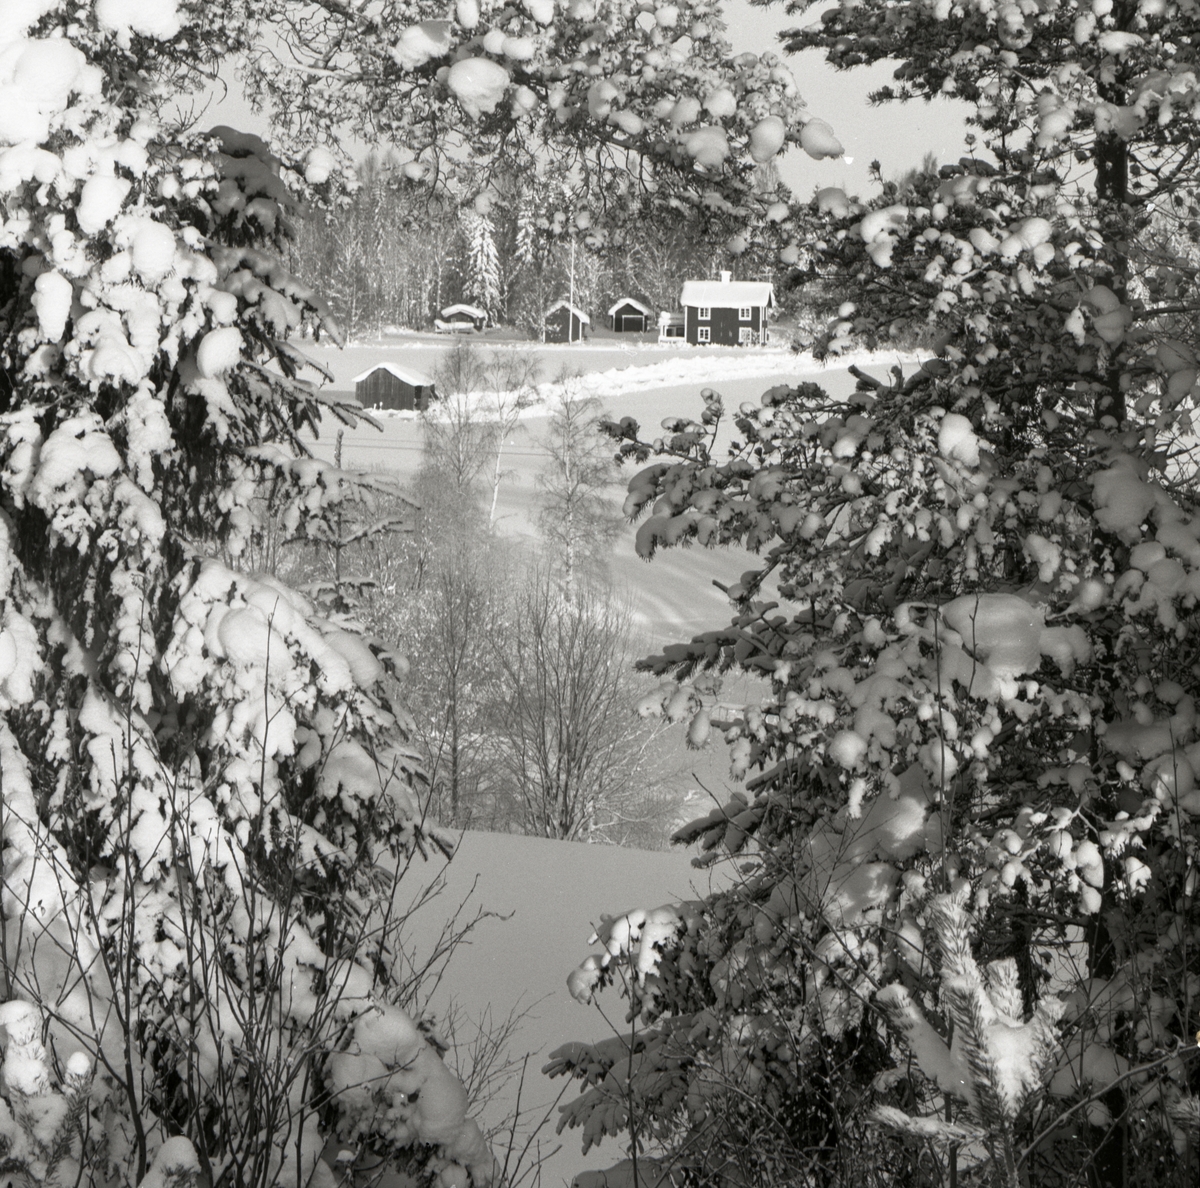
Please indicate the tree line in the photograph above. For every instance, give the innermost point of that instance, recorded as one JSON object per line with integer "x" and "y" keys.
{"x": 394, "y": 251}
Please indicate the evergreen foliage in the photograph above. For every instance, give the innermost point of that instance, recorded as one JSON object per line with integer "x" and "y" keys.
{"x": 974, "y": 617}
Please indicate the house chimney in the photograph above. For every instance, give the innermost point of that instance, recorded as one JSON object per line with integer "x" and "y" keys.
{"x": 726, "y": 277}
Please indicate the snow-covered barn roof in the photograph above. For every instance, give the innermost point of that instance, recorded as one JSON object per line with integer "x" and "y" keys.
{"x": 472, "y": 311}
{"x": 415, "y": 378}
{"x": 567, "y": 305}
{"x": 628, "y": 301}
{"x": 726, "y": 294}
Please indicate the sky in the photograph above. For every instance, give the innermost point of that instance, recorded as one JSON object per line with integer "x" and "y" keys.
{"x": 897, "y": 135}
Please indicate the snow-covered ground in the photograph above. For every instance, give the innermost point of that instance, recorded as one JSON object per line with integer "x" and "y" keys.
{"x": 554, "y": 893}
{"x": 673, "y": 596}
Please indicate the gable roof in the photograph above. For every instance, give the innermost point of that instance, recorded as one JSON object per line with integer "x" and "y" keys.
{"x": 415, "y": 378}
{"x": 472, "y": 311}
{"x": 629, "y": 301}
{"x": 567, "y": 305}
{"x": 727, "y": 294}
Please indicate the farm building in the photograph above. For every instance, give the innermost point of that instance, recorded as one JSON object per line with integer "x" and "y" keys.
{"x": 670, "y": 327}
{"x": 726, "y": 311}
{"x": 460, "y": 318}
{"x": 629, "y": 315}
{"x": 565, "y": 323}
{"x": 388, "y": 386}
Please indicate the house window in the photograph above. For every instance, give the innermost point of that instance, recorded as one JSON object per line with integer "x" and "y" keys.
{"x": 745, "y": 334}
{"x": 743, "y": 313}
{"x": 702, "y": 334}
{"x": 704, "y": 313}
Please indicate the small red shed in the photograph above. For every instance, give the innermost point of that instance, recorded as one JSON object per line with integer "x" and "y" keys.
{"x": 628, "y": 315}
{"x": 565, "y": 323}
{"x": 387, "y": 385}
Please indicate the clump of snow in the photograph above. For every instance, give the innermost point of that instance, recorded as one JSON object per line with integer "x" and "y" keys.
{"x": 1025, "y": 236}
{"x": 1002, "y": 629}
{"x": 479, "y": 84}
{"x": 541, "y": 11}
{"x": 37, "y": 78}
{"x": 100, "y": 201}
{"x": 847, "y": 749}
{"x": 818, "y": 141}
{"x": 519, "y": 49}
{"x": 720, "y": 103}
{"x": 878, "y": 231}
{"x": 629, "y": 122}
{"x": 219, "y": 351}
{"x": 47, "y": 71}
{"x": 957, "y": 441}
{"x": 767, "y": 138}
{"x": 1123, "y": 499}
{"x": 151, "y": 248}
{"x": 834, "y": 201}
{"x": 150, "y": 18}
{"x": 52, "y": 298}
{"x": 600, "y": 98}
{"x": 422, "y": 43}
{"x": 318, "y": 166}
{"x": 707, "y": 146}
{"x": 174, "y": 1160}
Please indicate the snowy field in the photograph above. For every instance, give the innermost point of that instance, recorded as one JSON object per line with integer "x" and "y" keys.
{"x": 556, "y": 892}
{"x": 673, "y": 597}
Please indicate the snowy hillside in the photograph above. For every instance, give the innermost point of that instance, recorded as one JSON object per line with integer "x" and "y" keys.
{"x": 553, "y": 893}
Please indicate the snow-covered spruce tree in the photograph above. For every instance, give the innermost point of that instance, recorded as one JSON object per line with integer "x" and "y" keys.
{"x": 206, "y": 796}
{"x": 481, "y": 285}
{"x": 975, "y": 612}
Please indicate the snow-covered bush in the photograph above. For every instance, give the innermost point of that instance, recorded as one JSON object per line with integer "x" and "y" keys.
{"x": 975, "y": 617}
{"x": 206, "y": 791}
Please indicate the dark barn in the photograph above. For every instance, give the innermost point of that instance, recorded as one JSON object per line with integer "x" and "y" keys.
{"x": 628, "y": 315}
{"x": 388, "y": 386}
{"x": 729, "y": 312}
{"x": 565, "y": 323}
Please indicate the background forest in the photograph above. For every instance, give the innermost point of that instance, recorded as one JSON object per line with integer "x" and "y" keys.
{"x": 394, "y": 252}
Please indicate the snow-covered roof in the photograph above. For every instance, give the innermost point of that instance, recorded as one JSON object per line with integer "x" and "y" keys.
{"x": 628, "y": 301}
{"x": 667, "y": 318}
{"x": 472, "y": 311}
{"x": 726, "y": 294}
{"x": 415, "y": 378}
{"x": 567, "y": 305}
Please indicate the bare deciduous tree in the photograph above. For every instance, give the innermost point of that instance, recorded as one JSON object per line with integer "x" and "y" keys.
{"x": 577, "y": 760}
{"x": 578, "y": 519}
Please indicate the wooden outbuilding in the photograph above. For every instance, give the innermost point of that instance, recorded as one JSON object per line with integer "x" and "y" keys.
{"x": 565, "y": 323}
{"x": 460, "y": 318}
{"x": 726, "y": 311}
{"x": 387, "y": 385}
{"x": 630, "y": 316}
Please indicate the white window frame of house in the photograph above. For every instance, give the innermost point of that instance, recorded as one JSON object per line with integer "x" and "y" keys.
{"x": 704, "y": 312}
{"x": 744, "y": 314}
{"x": 745, "y": 334}
{"x": 703, "y": 334}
